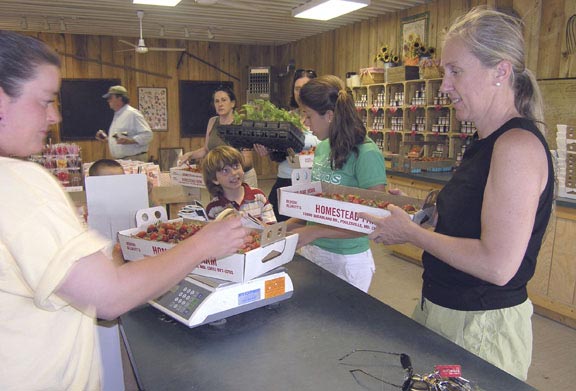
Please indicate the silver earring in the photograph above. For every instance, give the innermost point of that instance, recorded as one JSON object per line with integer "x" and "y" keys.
{"x": 498, "y": 84}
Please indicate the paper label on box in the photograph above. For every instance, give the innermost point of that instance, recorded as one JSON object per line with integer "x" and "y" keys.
{"x": 220, "y": 268}
{"x": 186, "y": 178}
{"x": 302, "y": 201}
{"x": 333, "y": 213}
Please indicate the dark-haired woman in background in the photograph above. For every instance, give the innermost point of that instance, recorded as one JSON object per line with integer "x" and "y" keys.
{"x": 301, "y": 77}
{"x": 224, "y": 101}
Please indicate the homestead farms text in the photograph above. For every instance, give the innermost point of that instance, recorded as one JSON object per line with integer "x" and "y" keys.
{"x": 336, "y": 212}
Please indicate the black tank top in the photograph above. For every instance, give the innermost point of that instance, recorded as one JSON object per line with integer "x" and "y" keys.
{"x": 459, "y": 208}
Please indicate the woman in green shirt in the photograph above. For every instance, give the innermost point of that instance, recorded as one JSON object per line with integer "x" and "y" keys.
{"x": 345, "y": 156}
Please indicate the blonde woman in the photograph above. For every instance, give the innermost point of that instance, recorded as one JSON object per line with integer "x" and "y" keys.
{"x": 493, "y": 213}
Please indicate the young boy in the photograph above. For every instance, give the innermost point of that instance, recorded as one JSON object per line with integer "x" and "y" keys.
{"x": 223, "y": 173}
{"x": 105, "y": 167}
{"x": 112, "y": 167}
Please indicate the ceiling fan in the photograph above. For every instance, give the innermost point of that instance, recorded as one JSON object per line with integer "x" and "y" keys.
{"x": 141, "y": 48}
{"x": 227, "y": 3}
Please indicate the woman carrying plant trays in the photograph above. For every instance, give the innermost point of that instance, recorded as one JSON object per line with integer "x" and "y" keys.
{"x": 301, "y": 77}
{"x": 224, "y": 101}
{"x": 345, "y": 156}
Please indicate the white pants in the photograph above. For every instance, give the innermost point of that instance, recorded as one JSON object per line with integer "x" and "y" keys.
{"x": 356, "y": 269}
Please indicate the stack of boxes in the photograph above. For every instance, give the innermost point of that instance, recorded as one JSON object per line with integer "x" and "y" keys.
{"x": 566, "y": 165}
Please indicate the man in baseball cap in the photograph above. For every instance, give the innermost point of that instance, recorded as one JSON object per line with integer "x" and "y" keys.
{"x": 129, "y": 133}
{"x": 116, "y": 90}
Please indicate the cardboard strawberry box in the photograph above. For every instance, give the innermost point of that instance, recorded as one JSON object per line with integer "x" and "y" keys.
{"x": 185, "y": 177}
{"x": 301, "y": 160}
{"x": 235, "y": 268}
{"x": 304, "y": 201}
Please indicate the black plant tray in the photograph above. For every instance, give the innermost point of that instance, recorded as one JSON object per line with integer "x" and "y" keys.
{"x": 276, "y": 136}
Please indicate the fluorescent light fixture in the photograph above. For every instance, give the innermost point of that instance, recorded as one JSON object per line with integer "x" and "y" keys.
{"x": 327, "y": 9}
{"x": 166, "y": 3}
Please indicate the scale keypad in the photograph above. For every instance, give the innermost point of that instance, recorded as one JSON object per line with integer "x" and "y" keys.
{"x": 183, "y": 299}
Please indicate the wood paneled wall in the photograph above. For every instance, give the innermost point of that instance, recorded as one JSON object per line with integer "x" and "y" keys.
{"x": 99, "y": 57}
{"x": 353, "y": 47}
{"x": 336, "y": 52}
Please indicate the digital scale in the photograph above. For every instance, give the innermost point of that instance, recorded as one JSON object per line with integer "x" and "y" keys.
{"x": 199, "y": 300}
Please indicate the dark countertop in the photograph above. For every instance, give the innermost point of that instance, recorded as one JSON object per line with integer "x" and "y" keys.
{"x": 433, "y": 177}
{"x": 296, "y": 344}
{"x": 443, "y": 177}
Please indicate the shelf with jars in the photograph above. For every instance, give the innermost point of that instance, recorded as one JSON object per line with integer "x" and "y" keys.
{"x": 412, "y": 111}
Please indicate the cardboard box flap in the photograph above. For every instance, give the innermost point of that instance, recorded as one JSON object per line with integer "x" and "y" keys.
{"x": 151, "y": 215}
{"x": 272, "y": 233}
{"x": 300, "y": 160}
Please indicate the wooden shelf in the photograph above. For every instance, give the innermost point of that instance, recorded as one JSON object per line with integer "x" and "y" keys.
{"x": 414, "y": 104}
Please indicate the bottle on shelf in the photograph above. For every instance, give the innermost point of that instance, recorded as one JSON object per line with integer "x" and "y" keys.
{"x": 379, "y": 100}
{"x": 467, "y": 127}
{"x": 419, "y": 98}
{"x": 442, "y": 125}
{"x": 441, "y": 99}
{"x": 397, "y": 99}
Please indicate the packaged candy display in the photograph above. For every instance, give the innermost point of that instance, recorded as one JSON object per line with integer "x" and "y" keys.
{"x": 64, "y": 161}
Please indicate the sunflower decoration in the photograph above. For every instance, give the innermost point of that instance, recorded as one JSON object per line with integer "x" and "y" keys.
{"x": 386, "y": 55}
{"x": 412, "y": 48}
{"x": 426, "y": 52}
{"x": 415, "y": 50}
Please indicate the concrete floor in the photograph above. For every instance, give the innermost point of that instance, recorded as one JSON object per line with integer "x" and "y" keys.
{"x": 398, "y": 283}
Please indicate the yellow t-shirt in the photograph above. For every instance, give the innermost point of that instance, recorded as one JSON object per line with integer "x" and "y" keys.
{"x": 45, "y": 344}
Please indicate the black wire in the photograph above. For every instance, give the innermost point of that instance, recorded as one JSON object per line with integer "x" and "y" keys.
{"x": 354, "y": 371}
